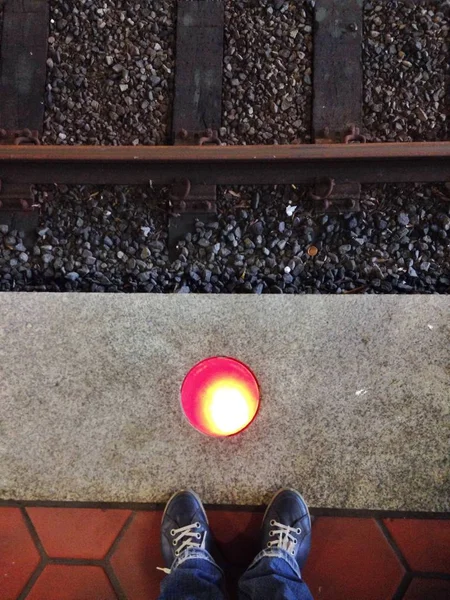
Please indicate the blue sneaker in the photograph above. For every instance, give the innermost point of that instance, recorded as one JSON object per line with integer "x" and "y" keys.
{"x": 184, "y": 525}
{"x": 287, "y": 525}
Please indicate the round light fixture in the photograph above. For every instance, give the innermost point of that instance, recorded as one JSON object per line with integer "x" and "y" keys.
{"x": 220, "y": 396}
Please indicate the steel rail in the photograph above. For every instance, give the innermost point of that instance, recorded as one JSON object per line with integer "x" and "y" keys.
{"x": 129, "y": 165}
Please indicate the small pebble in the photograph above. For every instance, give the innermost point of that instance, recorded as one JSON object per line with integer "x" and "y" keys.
{"x": 403, "y": 219}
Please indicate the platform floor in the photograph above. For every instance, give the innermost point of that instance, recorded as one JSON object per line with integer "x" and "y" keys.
{"x": 90, "y": 553}
{"x": 355, "y": 408}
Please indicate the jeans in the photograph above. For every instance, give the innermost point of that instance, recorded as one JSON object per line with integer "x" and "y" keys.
{"x": 273, "y": 575}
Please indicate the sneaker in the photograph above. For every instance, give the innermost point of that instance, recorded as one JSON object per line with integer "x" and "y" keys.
{"x": 184, "y": 525}
{"x": 287, "y": 525}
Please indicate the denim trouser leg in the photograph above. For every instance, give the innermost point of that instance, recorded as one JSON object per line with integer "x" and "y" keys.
{"x": 194, "y": 576}
{"x": 273, "y": 575}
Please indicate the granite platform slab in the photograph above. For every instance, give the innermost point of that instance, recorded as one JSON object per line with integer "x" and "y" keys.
{"x": 355, "y": 407}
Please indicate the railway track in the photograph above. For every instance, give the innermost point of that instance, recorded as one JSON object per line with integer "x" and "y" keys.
{"x": 333, "y": 167}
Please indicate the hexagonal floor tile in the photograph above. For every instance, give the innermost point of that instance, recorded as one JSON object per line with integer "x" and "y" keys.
{"x": 351, "y": 558}
{"x": 77, "y": 532}
{"x": 424, "y": 543}
{"x": 137, "y": 556}
{"x": 18, "y": 554}
{"x": 69, "y": 582}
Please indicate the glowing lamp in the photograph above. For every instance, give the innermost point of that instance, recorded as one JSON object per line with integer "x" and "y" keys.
{"x": 220, "y": 396}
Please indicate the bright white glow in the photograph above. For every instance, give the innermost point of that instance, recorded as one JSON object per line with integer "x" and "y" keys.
{"x": 229, "y": 409}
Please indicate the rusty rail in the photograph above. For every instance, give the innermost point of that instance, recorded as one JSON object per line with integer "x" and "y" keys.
{"x": 367, "y": 163}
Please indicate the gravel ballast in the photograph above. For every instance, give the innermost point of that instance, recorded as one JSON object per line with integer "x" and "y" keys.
{"x": 267, "y": 72}
{"x": 110, "y": 72}
{"x": 406, "y": 60}
{"x": 110, "y": 81}
{"x": 115, "y": 239}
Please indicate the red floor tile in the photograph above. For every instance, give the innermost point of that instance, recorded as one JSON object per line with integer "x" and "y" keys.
{"x": 424, "y": 543}
{"x": 77, "y": 532}
{"x": 137, "y": 556}
{"x": 238, "y": 538}
{"x": 67, "y": 582}
{"x": 18, "y": 554}
{"x": 351, "y": 559}
{"x": 428, "y": 589}
{"x": 237, "y": 534}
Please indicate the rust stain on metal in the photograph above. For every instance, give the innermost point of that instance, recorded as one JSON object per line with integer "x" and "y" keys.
{"x": 19, "y": 137}
{"x": 211, "y": 164}
{"x": 329, "y": 184}
{"x": 354, "y": 136}
{"x": 209, "y": 153}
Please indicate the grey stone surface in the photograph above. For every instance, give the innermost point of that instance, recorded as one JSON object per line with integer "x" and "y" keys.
{"x": 354, "y": 410}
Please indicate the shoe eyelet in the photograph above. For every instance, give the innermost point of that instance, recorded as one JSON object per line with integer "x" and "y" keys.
{"x": 174, "y": 542}
{"x": 198, "y": 525}
{"x": 176, "y": 553}
{"x": 271, "y": 532}
{"x": 198, "y": 536}
{"x": 172, "y": 532}
{"x": 299, "y": 531}
{"x": 293, "y": 552}
{"x": 272, "y": 522}
{"x": 295, "y": 541}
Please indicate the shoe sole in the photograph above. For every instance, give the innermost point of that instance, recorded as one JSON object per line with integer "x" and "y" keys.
{"x": 287, "y": 490}
{"x": 196, "y": 496}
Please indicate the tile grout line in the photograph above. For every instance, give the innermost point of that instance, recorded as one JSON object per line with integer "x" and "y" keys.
{"x": 34, "y": 534}
{"x": 43, "y": 557}
{"x": 75, "y": 562}
{"x": 431, "y": 575}
{"x": 403, "y": 586}
{"x": 109, "y": 570}
{"x": 156, "y": 506}
{"x": 407, "y": 576}
{"x": 114, "y": 581}
{"x": 30, "y": 583}
{"x": 393, "y": 545}
{"x": 119, "y": 536}
{"x": 410, "y": 575}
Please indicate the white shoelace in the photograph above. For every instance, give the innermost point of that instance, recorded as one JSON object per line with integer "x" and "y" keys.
{"x": 284, "y": 537}
{"x": 188, "y": 538}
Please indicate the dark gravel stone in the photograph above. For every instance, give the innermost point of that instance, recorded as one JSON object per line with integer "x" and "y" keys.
{"x": 110, "y": 72}
{"x": 405, "y": 60}
{"x": 264, "y": 256}
{"x": 267, "y": 76}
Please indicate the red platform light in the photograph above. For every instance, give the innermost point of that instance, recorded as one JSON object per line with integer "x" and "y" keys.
{"x": 220, "y": 396}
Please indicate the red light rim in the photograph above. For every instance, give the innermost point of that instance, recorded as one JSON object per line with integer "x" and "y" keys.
{"x": 208, "y": 390}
